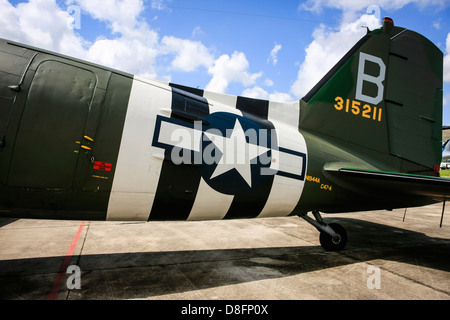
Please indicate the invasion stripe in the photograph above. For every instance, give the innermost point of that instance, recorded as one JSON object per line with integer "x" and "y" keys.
{"x": 289, "y": 181}
{"x": 259, "y": 108}
{"x": 137, "y": 172}
{"x": 149, "y": 186}
{"x": 197, "y": 92}
{"x": 178, "y": 183}
{"x": 210, "y": 204}
{"x": 182, "y": 194}
{"x": 177, "y": 189}
{"x": 250, "y": 205}
{"x": 246, "y": 205}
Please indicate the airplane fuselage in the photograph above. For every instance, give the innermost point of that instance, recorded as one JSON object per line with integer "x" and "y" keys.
{"x": 81, "y": 141}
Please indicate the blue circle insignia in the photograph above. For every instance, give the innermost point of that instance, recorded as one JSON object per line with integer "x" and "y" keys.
{"x": 236, "y": 153}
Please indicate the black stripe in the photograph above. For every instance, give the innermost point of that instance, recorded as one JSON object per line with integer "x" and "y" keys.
{"x": 189, "y": 105}
{"x": 250, "y": 204}
{"x": 176, "y": 192}
{"x": 197, "y": 92}
{"x": 178, "y": 184}
{"x": 259, "y": 108}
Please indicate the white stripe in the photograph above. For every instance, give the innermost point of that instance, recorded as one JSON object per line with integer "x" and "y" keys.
{"x": 283, "y": 197}
{"x": 286, "y": 191}
{"x": 180, "y": 136}
{"x": 286, "y": 113}
{"x": 215, "y": 99}
{"x": 287, "y": 162}
{"x": 210, "y": 204}
{"x": 137, "y": 173}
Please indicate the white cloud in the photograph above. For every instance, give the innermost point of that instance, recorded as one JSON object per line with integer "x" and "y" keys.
{"x": 357, "y": 5}
{"x": 437, "y": 24}
{"x": 138, "y": 47}
{"x": 351, "y": 9}
{"x": 256, "y": 93}
{"x": 159, "y": 4}
{"x": 121, "y": 15}
{"x": 52, "y": 31}
{"x": 273, "y": 54}
{"x": 268, "y": 82}
{"x": 134, "y": 47}
{"x": 127, "y": 54}
{"x": 327, "y": 48}
{"x": 259, "y": 93}
{"x": 189, "y": 54}
{"x": 447, "y": 60}
{"x": 197, "y": 32}
{"x": 228, "y": 69}
{"x": 446, "y": 100}
{"x": 281, "y": 97}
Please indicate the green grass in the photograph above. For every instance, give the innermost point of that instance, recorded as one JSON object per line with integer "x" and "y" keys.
{"x": 445, "y": 173}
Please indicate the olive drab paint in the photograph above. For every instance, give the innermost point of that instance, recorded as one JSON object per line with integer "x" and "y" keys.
{"x": 81, "y": 141}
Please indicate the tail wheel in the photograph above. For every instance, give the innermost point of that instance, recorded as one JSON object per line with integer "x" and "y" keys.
{"x": 334, "y": 244}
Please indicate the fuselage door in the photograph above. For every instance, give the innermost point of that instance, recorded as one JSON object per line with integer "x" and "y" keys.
{"x": 51, "y": 130}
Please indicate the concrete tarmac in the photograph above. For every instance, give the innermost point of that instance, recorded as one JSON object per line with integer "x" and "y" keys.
{"x": 386, "y": 258}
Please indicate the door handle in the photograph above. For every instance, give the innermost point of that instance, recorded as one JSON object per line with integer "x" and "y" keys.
{"x": 86, "y": 147}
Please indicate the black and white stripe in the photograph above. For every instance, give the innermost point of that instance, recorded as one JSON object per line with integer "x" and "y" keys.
{"x": 164, "y": 190}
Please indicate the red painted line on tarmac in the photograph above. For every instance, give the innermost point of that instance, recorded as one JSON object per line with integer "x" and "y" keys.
{"x": 62, "y": 269}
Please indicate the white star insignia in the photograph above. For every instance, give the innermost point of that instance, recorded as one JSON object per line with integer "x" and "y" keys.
{"x": 237, "y": 153}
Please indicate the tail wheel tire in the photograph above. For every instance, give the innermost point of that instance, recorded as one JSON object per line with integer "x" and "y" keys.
{"x": 330, "y": 244}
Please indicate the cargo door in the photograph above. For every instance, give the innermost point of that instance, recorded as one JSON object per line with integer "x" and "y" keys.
{"x": 48, "y": 141}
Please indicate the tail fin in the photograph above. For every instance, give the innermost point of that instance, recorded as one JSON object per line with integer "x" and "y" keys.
{"x": 383, "y": 97}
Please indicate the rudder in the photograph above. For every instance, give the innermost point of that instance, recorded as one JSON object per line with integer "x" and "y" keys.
{"x": 384, "y": 97}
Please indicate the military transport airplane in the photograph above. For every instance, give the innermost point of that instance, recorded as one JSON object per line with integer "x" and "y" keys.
{"x": 85, "y": 142}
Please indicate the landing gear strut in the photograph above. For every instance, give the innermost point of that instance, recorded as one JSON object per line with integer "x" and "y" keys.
{"x": 333, "y": 236}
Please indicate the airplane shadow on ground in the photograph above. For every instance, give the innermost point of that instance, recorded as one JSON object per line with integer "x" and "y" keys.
{"x": 147, "y": 274}
{"x": 6, "y": 221}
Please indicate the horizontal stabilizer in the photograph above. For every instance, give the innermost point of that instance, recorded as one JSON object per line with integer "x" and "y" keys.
{"x": 389, "y": 184}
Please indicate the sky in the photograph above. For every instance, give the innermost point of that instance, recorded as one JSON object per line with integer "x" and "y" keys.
{"x": 266, "y": 49}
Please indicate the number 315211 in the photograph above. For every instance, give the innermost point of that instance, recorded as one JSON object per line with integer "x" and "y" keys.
{"x": 358, "y": 109}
